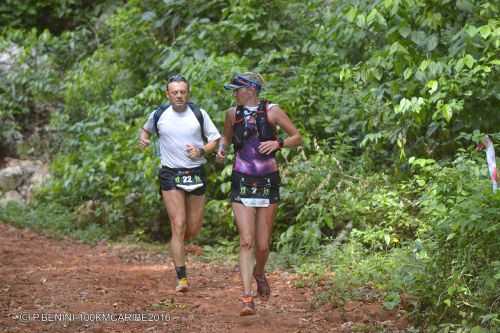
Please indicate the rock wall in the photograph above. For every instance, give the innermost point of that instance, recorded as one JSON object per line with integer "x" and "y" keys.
{"x": 19, "y": 178}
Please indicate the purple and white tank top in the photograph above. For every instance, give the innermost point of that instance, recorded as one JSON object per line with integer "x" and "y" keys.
{"x": 248, "y": 159}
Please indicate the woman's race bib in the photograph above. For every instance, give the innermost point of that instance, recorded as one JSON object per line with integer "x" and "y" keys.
{"x": 255, "y": 193}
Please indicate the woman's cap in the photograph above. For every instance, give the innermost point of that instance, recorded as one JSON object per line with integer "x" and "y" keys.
{"x": 245, "y": 80}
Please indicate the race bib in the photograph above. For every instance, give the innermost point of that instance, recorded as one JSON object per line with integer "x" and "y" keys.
{"x": 188, "y": 180}
{"x": 255, "y": 194}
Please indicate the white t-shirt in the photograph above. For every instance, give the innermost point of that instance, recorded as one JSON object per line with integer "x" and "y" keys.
{"x": 178, "y": 129}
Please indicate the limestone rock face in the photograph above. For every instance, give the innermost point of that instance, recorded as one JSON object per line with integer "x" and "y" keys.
{"x": 11, "y": 196}
{"x": 11, "y": 178}
{"x": 8, "y": 57}
{"x": 86, "y": 213}
{"x": 21, "y": 177}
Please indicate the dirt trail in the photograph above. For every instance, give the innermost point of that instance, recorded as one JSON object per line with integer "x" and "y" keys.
{"x": 49, "y": 285}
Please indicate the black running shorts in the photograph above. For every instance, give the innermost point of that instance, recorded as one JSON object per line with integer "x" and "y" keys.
{"x": 168, "y": 179}
{"x": 238, "y": 179}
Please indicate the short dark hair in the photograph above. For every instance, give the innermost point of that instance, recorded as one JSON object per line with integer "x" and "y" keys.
{"x": 177, "y": 78}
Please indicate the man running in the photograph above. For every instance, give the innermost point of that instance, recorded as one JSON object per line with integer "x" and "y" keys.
{"x": 181, "y": 127}
{"x": 251, "y": 127}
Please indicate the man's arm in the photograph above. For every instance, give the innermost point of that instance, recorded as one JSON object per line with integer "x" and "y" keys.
{"x": 227, "y": 136}
{"x": 144, "y": 140}
{"x": 210, "y": 146}
{"x": 194, "y": 152}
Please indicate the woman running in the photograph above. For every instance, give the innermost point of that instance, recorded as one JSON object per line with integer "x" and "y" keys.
{"x": 251, "y": 127}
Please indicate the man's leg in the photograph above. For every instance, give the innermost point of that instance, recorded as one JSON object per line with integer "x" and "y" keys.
{"x": 174, "y": 201}
{"x": 194, "y": 211}
{"x": 245, "y": 220}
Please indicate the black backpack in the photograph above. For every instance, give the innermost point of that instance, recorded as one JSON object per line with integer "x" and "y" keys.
{"x": 265, "y": 130}
{"x": 196, "y": 110}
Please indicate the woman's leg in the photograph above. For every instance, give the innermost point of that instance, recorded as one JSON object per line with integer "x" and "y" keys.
{"x": 263, "y": 232}
{"x": 245, "y": 220}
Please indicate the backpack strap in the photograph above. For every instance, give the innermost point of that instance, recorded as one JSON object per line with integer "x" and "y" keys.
{"x": 156, "y": 116}
{"x": 263, "y": 105}
{"x": 194, "y": 108}
{"x": 197, "y": 112}
{"x": 266, "y": 131}
{"x": 238, "y": 115}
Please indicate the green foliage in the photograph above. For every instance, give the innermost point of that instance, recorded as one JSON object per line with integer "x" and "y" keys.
{"x": 224, "y": 252}
{"x": 218, "y": 224}
{"x": 461, "y": 277}
{"x": 431, "y": 236}
{"x": 169, "y": 18}
{"x": 434, "y": 72}
{"x": 115, "y": 72}
{"x": 52, "y": 219}
{"x": 55, "y": 15}
{"x": 122, "y": 188}
{"x": 380, "y": 212}
{"x": 31, "y": 89}
{"x": 388, "y": 95}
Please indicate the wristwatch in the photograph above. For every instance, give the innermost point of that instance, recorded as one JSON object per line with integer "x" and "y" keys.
{"x": 201, "y": 151}
{"x": 281, "y": 142}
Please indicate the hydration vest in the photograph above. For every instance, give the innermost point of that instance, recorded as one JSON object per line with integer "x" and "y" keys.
{"x": 194, "y": 108}
{"x": 265, "y": 131}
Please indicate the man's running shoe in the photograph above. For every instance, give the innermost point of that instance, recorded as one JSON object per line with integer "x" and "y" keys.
{"x": 247, "y": 306}
{"x": 182, "y": 285}
{"x": 263, "y": 289}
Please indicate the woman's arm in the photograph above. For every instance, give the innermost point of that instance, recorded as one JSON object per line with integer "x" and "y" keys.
{"x": 277, "y": 117}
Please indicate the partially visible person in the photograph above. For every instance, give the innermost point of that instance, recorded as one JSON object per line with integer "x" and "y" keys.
{"x": 186, "y": 134}
{"x": 255, "y": 182}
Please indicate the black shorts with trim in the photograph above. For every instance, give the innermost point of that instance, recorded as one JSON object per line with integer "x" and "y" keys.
{"x": 236, "y": 177}
{"x": 167, "y": 179}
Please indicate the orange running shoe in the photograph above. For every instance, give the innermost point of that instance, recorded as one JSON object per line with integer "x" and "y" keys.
{"x": 247, "y": 306}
